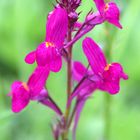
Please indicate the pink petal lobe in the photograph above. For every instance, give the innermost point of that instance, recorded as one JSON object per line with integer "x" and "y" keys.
{"x": 111, "y": 87}
{"x": 79, "y": 70}
{"x": 42, "y": 54}
{"x": 94, "y": 55}
{"x": 111, "y": 78}
{"x": 37, "y": 80}
{"x": 30, "y": 58}
{"x": 119, "y": 70}
{"x": 112, "y": 14}
{"x": 56, "y": 60}
{"x": 15, "y": 85}
{"x": 99, "y": 4}
{"x": 116, "y": 23}
{"x": 57, "y": 26}
{"x": 20, "y": 98}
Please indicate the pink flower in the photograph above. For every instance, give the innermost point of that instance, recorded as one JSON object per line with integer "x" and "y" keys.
{"x": 109, "y": 74}
{"x": 22, "y": 92}
{"x": 109, "y": 11}
{"x": 47, "y": 53}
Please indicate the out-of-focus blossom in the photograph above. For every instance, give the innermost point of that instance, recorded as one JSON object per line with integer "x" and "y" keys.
{"x": 109, "y": 11}
{"x": 47, "y": 53}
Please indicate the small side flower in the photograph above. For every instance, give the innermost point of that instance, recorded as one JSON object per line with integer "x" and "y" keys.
{"x": 109, "y": 11}
{"x": 23, "y": 92}
{"x": 109, "y": 74}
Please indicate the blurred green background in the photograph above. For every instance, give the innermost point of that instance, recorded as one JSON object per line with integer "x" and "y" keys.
{"x": 22, "y": 28}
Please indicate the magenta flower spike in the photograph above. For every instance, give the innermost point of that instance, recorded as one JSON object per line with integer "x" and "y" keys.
{"x": 22, "y": 92}
{"x": 63, "y": 30}
{"x": 48, "y": 52}
{"x": 109, "y": 74}
{"x": 109, "y": 11}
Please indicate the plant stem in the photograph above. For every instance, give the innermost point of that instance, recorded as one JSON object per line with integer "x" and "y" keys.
{"x": 69, "y": 73}
{"x": 69, "y": 76}
{"x": 69, "y": 83}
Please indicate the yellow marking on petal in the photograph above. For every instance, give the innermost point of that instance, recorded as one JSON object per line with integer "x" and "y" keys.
{"x": 106, "y": 7}
{"x": 25, "y": 86}
{"x": 49, "y": 44}
{"x": 107, "y": 67}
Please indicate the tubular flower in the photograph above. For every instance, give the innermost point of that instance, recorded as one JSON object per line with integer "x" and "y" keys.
{"x": 47, "y": 53}
{"x": 88, "y": 83}
{"x": 109, "y": 74}
{"x": 81, "y": 74}
{"x": 103, "y": 76}
{"x": 22, "y": 92}
{"x": 109, "y": 11}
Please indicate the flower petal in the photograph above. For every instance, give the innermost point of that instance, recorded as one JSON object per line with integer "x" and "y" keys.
{"x": 112, "y": 14}
{"x": 15, "y": 85}
{"x": 30, "y": 58}
{"x": 111, "y": 87}
{"x": 43, "y": 54}
{"x": 118, "y": 70}
{"x": 37, "y": 80}
{"x": 20, "y": 97}
{"x": 99, "y": 4}
{"x": 115, "y": 22}
{"x": 94, "y": 55}
{"x": 111, "y": 78}
{"x": 56, "y": 60}
{"x": 79, "y": 70}
{"x": 57, "y": 26}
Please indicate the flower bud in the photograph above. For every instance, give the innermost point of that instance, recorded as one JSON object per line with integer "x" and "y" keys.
{"x": 73, "y": 16}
